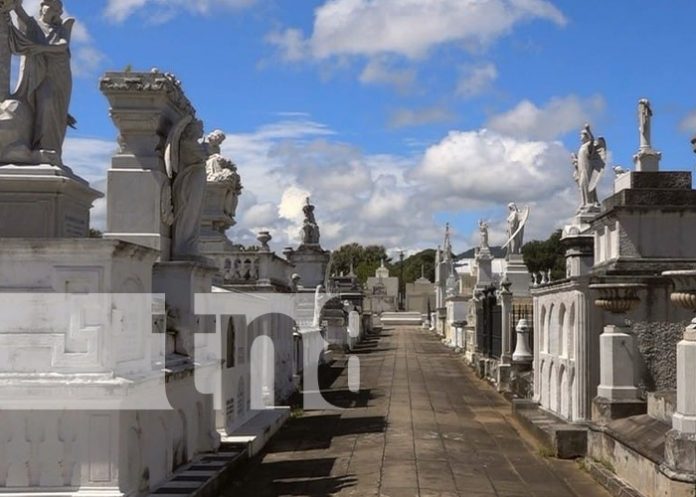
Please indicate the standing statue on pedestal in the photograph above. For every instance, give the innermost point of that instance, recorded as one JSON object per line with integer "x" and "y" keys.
{"x": 647, "y": 159}
{"x": 310, "y": 228}
{"x": 483, "y": 231}
{"x": 589, "y": 164}
{"x": 222, "y": 170}
{"x": 185, "y": 160}
{"x": 34, "y": 119}
{"x": 516, "y": 222}
{"x": 644, "y": 123}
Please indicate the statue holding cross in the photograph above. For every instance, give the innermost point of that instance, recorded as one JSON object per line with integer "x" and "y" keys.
{"x": 34, "y": 118}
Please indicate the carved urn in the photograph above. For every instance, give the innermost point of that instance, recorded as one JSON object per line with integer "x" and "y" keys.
{"x": 617, "y": 298}
{"x": 684, "y": 294}
{"x": 264, "y": 237}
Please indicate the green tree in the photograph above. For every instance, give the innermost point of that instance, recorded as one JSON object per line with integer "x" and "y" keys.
{"x": 540, "y": 256}
{"x": 365, "y": 260}
{"x": 421, "y": 263}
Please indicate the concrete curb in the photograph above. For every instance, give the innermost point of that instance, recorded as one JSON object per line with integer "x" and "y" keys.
{"x": 612, "y": 483}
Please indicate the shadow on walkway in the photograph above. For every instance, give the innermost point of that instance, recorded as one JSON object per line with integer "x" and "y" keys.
{"x": 286, "y": 466}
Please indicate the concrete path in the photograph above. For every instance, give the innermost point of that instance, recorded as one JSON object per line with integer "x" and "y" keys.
{"x": 423, "y": 426}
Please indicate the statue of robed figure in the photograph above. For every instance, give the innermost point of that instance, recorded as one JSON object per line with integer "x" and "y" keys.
{"x": 34, "y": 119}
{"x": 185, "y": 160}
{"x": 516, "y": 223}
{"x": 589, "y": 164}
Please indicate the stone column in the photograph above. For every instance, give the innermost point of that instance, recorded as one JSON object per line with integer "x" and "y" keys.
{"x": 506, "y": 305}
{"x": 617, "y": 394}
{"x": 680, "y": 442}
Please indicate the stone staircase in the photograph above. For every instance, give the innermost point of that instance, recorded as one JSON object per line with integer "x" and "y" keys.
{"x": 207, "y": 476}
{"x": 401, "y": 319}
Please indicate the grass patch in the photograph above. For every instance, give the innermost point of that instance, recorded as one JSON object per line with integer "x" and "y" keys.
{"x": 546, "y": 452}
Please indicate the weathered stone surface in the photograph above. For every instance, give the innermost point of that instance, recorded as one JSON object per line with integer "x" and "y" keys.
{"x": 605, "y": 410}
{"x": 680, "y": 453}
{"x": 44, "y": 201}
{"x": 411, "y": 431}
{"x": 657, "y": 343}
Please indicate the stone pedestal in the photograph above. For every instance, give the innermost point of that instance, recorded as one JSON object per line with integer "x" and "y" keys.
{"x": 647, "y": 160}
{"x": 484, "y": 269}
{"x": 617, "y": 372}
{"x": 310, "y": 263}
{"x": 578, "y": 241}
{"x": 680, "y": 442}
{"x": 684, "y": 419}
{"x": 617, "y": 395}
{"x": 503, "y": 377}
{"x": 354, "y": 331}
{"x": 180, "y": 281}
{"x": 518, "y": 275}
{"x": 144, "y": 108}
{"x": 44, "y": 201}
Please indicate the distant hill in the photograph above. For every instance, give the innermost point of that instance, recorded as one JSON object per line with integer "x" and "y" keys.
{"x": 498, "y": 253}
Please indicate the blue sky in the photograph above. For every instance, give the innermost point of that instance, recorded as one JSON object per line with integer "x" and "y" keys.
{"x": 398, "y": 115}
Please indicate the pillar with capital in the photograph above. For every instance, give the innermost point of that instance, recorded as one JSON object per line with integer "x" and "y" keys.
{"x": 680, "y": 442}
{"x": 617, "y": 393}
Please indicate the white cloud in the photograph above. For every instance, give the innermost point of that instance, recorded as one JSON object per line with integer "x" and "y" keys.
{"x": 475, "y": 169}
{"x": 384, "y": 199}
{"x": 474, "y": 80}
{"x": 87, "y": 60}
{"x": 559, "y": 116}
{"x": 292, "y": 203}
{"x": 90, "y": 159}
{"x": 378, "y": 71}
{"x": 401, "y": 118}
{"x": 120, "y": 10}
{"x": 259, "y": 216}
{"x": 290, "y": 43}
{"x": 688, "y": 123}
{"x": 412, "y": 28}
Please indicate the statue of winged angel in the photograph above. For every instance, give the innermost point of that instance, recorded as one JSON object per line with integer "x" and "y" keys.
{"x": 589, "y": 163}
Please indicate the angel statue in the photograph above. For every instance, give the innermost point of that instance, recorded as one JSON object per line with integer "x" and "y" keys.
{"x": 185, "y": 159}
{"x": 219, "y": 169}
{"x": 34, "y": 119}
{"x": 516, "y": 222}
{"x": 589, "y": 164}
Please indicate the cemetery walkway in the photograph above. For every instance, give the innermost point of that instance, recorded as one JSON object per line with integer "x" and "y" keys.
{"x": 422, "y": 426}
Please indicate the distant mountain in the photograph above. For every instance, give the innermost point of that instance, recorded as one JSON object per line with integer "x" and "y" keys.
{"x": 498, "y": 253}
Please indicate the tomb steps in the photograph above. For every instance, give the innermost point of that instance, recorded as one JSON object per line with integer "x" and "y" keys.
{"x": 206, "y": 476}
{"x": 565, "y": 440}
{"x": 401, "y": 319}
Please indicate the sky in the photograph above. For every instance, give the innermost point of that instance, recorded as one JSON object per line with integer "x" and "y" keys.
{"x": 398, "y": 116}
